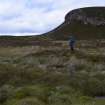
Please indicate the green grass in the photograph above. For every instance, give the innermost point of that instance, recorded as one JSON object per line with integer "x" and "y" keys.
{"x": 38, "y": 75}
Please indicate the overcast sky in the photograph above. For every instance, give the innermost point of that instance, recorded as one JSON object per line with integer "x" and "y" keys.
{"x": 21, "y": 17}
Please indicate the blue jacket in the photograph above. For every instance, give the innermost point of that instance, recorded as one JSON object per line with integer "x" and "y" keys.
{"x": 72, "y": 41}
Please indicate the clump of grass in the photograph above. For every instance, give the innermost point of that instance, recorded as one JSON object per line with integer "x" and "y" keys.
{"x": 25, "y": 101}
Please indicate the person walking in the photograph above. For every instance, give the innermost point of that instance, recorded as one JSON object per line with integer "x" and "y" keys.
{"x": 72, "y": 43}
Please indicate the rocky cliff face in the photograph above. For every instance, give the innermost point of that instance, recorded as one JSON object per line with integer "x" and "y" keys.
{"x": 84, "y": 23}
{"x": 81, "y": 15}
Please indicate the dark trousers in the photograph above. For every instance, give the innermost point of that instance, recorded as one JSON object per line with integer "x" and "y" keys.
{"x": 72, "y": 47}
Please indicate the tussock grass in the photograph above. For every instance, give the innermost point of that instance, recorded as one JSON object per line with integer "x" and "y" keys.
{"x": 52, "y": 75}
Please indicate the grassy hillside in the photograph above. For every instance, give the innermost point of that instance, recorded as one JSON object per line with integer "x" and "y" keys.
{"x": 53, "y": 75}
{"x": 79, "y": 28}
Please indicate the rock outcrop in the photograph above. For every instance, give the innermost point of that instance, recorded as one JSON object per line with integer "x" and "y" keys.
{"x": 81, "y": 15}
